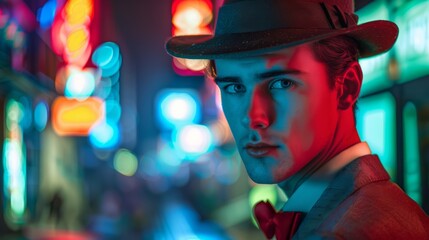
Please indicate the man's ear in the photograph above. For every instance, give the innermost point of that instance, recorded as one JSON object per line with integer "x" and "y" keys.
{"x": 348, "y": 86}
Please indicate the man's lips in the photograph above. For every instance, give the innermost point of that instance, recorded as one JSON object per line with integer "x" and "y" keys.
{"x": 260, "y": 149}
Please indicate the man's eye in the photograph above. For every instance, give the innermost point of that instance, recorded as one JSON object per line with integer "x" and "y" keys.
{"x": 234, "y": 88}
{"x": 282, "y": 84}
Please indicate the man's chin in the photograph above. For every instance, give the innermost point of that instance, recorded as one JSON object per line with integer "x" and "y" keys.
{"x": 262, "y": 178}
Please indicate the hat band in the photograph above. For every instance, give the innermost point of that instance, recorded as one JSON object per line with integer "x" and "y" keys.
{"x": 254, "y": 16}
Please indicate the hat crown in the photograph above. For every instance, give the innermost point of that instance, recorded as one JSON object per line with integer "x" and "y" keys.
{"x": 240, "y": 16}
{"x": 345, "y": 5}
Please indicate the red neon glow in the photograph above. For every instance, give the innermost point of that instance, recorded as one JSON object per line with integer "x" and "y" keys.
{"x": 25, "y": 17}
{"x": 58, "y": 36}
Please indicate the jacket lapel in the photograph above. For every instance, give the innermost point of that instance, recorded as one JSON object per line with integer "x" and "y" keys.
{"x": 358, "y": 173}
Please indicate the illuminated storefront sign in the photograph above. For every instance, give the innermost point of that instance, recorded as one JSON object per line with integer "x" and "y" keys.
{"x": 413, "y": 44}
{"x": 76, "y": 118}
{"x": 375, "y": 69}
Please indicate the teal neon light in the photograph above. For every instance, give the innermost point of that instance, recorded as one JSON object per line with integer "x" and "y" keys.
{"x": 413, "y": 45}
{"x": 412, "y": 174}
{"x": 376, "y": 125}
{"x": 14, "y": 166}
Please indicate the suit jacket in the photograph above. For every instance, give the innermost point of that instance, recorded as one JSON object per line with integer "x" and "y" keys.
{"x": 362, "y": 203}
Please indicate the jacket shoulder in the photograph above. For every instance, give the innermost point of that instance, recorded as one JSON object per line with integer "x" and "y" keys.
{"x": 378, "y": 210}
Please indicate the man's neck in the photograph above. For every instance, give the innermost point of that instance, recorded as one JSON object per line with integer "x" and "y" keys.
{"x": 307, "y": 194}
{"x": 344, "y": 137}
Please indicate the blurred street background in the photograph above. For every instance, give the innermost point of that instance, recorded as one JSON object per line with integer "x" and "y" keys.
{"x": 105, "y": 136}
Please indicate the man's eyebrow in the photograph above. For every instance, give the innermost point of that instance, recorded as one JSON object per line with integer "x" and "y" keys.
{"x": 276, "y": 73}
{"x": 226, "y": 80}
{"x": 263, "y": 75}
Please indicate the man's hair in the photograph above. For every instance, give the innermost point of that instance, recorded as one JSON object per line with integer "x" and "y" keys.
{"x": 338, "y": 53}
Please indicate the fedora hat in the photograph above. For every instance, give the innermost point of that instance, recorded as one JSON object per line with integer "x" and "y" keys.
{"x": 252, "y": 27}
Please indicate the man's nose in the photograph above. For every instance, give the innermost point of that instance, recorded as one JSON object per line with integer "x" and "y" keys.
{"x": 258, "y": 115}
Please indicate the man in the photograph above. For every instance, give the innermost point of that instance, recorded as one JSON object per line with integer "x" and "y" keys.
{"x": 289, "y": 77}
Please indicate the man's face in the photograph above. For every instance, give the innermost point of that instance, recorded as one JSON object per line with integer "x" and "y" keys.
{"x": 280, "y": 109}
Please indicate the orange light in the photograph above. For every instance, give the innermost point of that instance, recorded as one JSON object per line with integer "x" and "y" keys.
{"x": 79, "y": 12}
{"x": 189, "y": 16}
{"x": 193, "y": 31}
{"x": 78, "y": 49}
{"x": 79, "y": 60}
{"x": 75, "y": 118}
{"x": 191, "y": 64}
{"x": 77, "y": 40}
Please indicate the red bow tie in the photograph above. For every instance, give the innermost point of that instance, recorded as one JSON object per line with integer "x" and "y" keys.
{"x": 281, "y": 224}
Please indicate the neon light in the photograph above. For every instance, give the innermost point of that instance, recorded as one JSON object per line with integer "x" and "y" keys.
{"x": 104, "y": 135}
{"x": 58, "y": 36}
{"x": 376, "y": 125}
{"x": 80, "y": 84}
{"x": 79, "y": 12}
{"x": 191, "y": 15}
{"x": 113, "y": 110}
{"x": 76, "y": 118}
{"x": 412, "y": 45}
{"x": 65, "y": 72}
{"x": 46, "y": 14}
{"x": 14, "y": 165}
{"x": 193, "y": 140}
{"x": 108, "y": 58}
{"x": 77, "y": 41}
{"x": 125, "y": 162}
{"x": 41, "y": 115}
{"x": 177, "y": 108}
{"x": 14, "y": 114}
{"x": 103, "y": 88}
{"x": 14, "y": 178}
{"x": 106, "y": 55}
{"x": 412, "y": 179}
{"x": 110, "y": 70}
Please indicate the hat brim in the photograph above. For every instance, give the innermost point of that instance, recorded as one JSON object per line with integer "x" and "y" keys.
{"x": 373, "y": 38}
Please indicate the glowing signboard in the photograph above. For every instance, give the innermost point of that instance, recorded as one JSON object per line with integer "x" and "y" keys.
{"x": 413, "y": 41}
{"x": 76, "y": 118}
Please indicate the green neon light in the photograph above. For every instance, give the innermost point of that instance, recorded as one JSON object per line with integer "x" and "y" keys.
{"x": 14, "y": 168}
{"x": 412, "y": 178}
{"x": 375, "y": 69}
{"x": 376, "y": 125}
{"x": 263, "y": 192}
{"x": 412, "y": 46}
